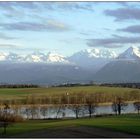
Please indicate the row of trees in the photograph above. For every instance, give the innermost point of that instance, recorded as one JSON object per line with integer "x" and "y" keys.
{"x": 92, "y": 83}
{"x": 34, "y": 111}
{"x": 129, "y": 85}
{"x": 74, "y": 98}
{"x": 83, "y": 105}
{"x": 18, "y": 86}
{"x": 35, "y": 106}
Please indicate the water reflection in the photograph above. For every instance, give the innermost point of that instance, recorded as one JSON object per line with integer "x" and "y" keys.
{"x": 45, "y": 112}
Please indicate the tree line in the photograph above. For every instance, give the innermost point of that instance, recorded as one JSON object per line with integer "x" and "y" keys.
{"x": 128, "y": 85}
{"x": 18, "y": 86}
{"x": 91, "y": 83}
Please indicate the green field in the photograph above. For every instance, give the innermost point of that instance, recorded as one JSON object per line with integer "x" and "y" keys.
{"x": 124, "y": 123}
{"x": 20, "y": 93}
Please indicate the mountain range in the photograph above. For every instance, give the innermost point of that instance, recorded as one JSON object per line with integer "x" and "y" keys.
{"x": 39, "y": 57}
{"x": 98, "y": 65}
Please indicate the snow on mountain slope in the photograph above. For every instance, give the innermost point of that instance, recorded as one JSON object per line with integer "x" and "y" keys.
{"x": 13, "y": 57}
{"x": 130, "y": 53}
{"x": 101, "y": 53}
{"x": 3, "y": 56}
{"x": 36, "y": 57}
{"x": 56, "y": 58}
{"x": 93, "y": 59}
{"x": 95, "y": 53}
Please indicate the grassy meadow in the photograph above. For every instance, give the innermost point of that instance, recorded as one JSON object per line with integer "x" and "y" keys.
{"x": 22, "y": 93}
{"x": 124, "y": 123}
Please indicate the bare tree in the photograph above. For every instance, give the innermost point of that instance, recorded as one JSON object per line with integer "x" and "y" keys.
{"x": 32, "y": 100}
{"x": 60, "y": 109}
{"x": 77, "y": 109}
{"x": 31, "y": 112}
{"x": 27, "y": 112}
{"x": 43, "y": 111}
{"x": 91, "y": 104}
{"x": 115, "y": 107}
{"x": 5, "y": 116}
{"x": 34, "y": 111}
{"x": 137, "y": 106}
{"x": 119, "y": 105}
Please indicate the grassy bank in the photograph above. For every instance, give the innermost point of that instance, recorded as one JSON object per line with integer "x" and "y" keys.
{"x": 124, "y": 123}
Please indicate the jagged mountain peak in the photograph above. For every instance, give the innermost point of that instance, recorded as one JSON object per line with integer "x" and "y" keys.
{"x": 13, "y": 57}
{"x": 35, "y": 57}
{"x": 95, "y": 53}
{"x": 133, "y": 49}
{"x": 45, "y": 58}
{"x": 131, "y": 53}
{"x": 84, "y": 57}
{"x": 56, "y": 58}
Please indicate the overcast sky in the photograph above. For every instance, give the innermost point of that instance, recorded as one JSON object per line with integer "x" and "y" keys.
{"x": 68, "y": 27}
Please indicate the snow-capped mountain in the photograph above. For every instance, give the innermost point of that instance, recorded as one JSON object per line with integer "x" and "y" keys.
{"x": 124, "y": 69}
{"x": 85, "y": 58}
{"x": 35, "y": 57}
{"x": 56, "y": 58}
{"x": 93, "y": 59}
{"x": 94, "y": 53}
{"x": 88, "y": 65}
{"x": 13, "y": 57}
{"x": 3, "y": 56}
{"x": 131, "y": 53}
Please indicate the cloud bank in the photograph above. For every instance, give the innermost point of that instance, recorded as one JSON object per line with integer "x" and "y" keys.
{"x": 32, "y": 26}
{"x": 113, "y": 42}
{"x": 121, "y": 14}
{"x": 131, "y": 29}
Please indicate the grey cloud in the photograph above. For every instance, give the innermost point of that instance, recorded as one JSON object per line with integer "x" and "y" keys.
{"x": 124, "y": 13}
{"x": 113, "y": 42}
{"x": 131, "y": 29}
{"x": 6, "y": 37}
{"x": 48, "y": 5}
{"x": 6, "y": 6}
{"x": 11, "y": 5}
{"x": 65, "y": 5}
{"x": 123, "y": 3}
{"x": 9, "y": 46}
{"x": 75, "y": 5}
{"x": 28, "y": 5}
{"x": 31, "y": 26}
{"x": 85, "y": 33}
{"x": 18, "y": 10}
{"x": 8, "y": 10}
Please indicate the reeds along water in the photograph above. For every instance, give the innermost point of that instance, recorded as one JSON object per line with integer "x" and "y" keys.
{"x": 64, "y": 111}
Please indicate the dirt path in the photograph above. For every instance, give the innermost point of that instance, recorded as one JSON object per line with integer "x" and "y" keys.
{"x": 77, "y": 132}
